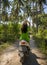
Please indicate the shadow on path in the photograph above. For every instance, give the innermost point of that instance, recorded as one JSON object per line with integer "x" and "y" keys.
{"x": 31, "y": 60}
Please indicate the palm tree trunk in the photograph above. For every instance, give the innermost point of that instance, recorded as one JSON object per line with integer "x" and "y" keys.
{"x": 33, "y": 15}
{"x": 40, "y": 6}
{"x": 36, "y": 18}
{"x": 0, "y": 10}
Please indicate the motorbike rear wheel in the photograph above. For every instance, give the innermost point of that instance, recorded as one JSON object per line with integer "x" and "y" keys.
{"x": 22, "y": 60}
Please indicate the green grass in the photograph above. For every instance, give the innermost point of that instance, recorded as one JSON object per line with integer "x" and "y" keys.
{"x": 3, "y": 46}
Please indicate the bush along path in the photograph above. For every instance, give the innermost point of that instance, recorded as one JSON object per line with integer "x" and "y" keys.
{"x": 10, "y": 56}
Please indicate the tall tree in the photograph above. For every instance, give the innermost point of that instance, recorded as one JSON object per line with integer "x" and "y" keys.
{"x": 4, "y": 4}
{"x": 41, "y": 2}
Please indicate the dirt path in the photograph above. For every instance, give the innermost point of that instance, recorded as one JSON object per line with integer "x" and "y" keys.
{"x": 10, "y": 56}
{"x": 37, "y": 55}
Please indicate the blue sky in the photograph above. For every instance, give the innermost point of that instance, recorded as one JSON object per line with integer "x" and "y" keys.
{"x": 45, "y": 10}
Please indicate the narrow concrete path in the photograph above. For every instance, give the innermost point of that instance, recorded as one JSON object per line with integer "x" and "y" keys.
{"x": 10, "y": 56}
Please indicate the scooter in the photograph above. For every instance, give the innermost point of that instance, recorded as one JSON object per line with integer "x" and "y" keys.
{"x": 24, "y": 50}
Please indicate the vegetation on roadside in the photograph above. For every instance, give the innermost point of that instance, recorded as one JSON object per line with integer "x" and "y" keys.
{"x": 17, "y": 11}
{"x": 4, "y": 46}
{"x": 9, "y": 32}
{"x": 41, "y": 36}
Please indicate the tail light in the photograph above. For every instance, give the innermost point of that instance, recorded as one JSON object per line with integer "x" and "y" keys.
{"x": 23, "y": 43}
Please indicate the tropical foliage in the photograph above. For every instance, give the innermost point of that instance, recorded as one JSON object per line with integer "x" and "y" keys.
{"x": 18, "y": 10}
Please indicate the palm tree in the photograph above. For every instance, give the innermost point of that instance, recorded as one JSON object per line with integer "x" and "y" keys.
{"x": 41, "y": 2}
{"x": 4, "y": 4}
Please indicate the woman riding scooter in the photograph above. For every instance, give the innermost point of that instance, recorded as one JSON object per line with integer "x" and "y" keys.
{"x": 24, "y": 34}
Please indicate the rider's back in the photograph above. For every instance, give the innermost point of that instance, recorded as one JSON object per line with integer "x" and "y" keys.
{"x": 24, "y": 30}
{"x": 24, "y": 36}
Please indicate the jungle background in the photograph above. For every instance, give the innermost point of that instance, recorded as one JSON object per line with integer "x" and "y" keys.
{"x": 14, "y": 12}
